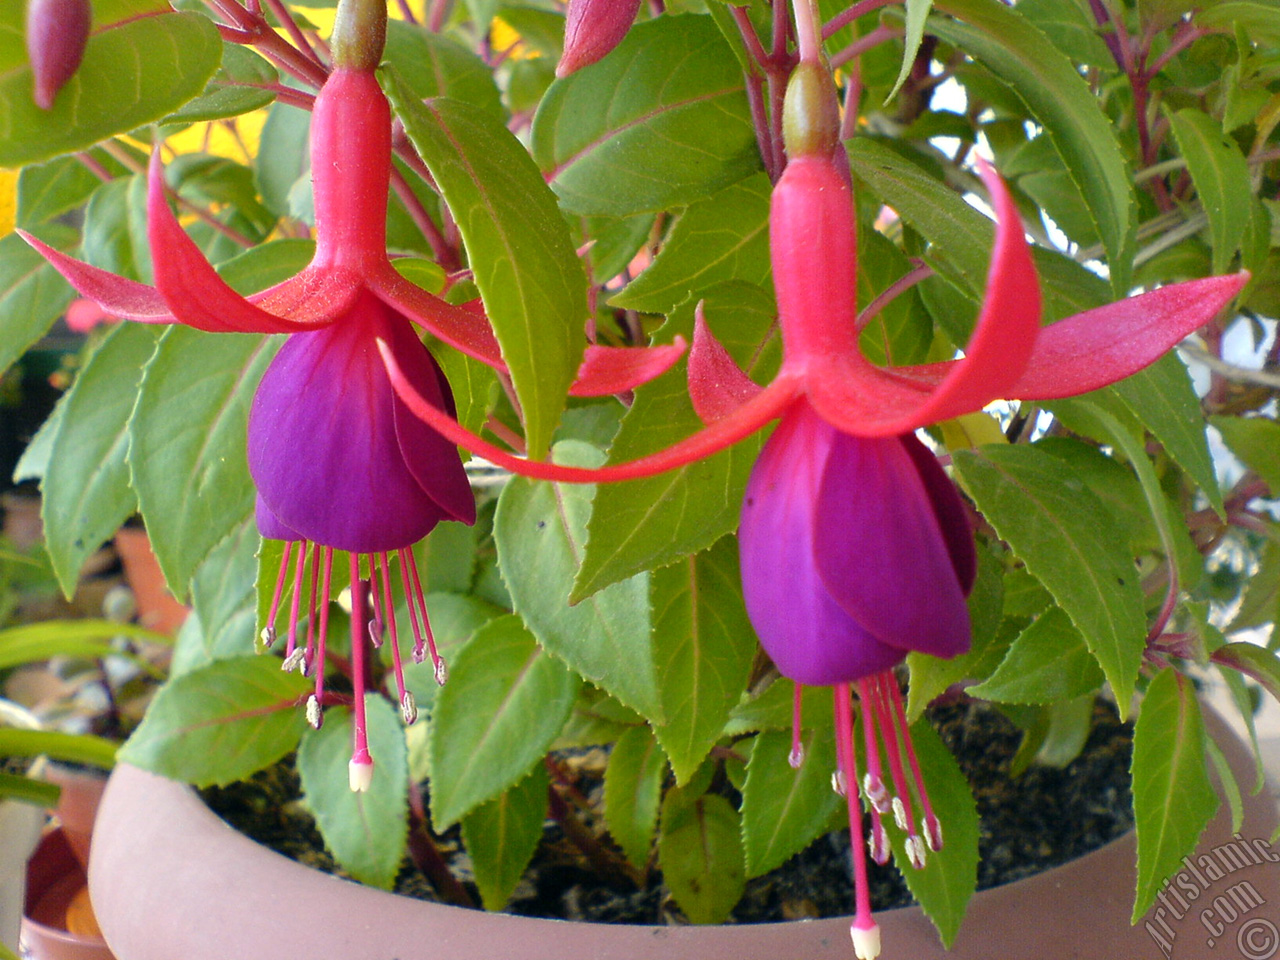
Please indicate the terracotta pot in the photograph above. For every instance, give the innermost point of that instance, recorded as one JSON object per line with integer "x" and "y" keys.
{"x": 161, "y": 859}
{"x": 157, "y": 607}
{"x": 78, "y": 802}
{"x": 58, "y": 922}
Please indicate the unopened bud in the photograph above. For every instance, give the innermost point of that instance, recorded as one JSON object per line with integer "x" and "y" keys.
{"x": 810, "y": 112}
{"x": 57, "y": 33}
{"x": 360, "y": 774}
{"x": 442, "y": 672}
{"x": 359, "y": 34}
{"x": 592, "y": 29}
{"x": 315, "y": 716}
{"x": 408, "y": 707}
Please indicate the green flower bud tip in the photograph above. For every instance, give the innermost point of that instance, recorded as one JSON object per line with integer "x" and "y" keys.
{"x": 811, "y": 112}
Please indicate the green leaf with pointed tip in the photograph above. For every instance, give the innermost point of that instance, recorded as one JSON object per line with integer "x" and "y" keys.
{"x": 366, "y": 832}
{"x": 661, "y": 122}
{"x": 532, "y": 283}
{"x": 220, "y": 723}
{"x": 917, "y": 15}
{"x": 132, "y": 74}
{"x": 1173, "y": 799}
{"x": 1048, "y": 661}
{"x": 1219, "y": 170}
{"x": 772, "y": 709}
{"x": 633, "y": 793}
{"x": 223, "y": 598}
{"x": 501, "y": 836}
{"x": 946, "y": 883}
{"x": 48, "y": 190}
{"x": 1256, "y": 441}
{"x": 1254, "y": 661}
{"x": 233, "y": 90}
{"x": 32, "y": 294}
{"x": 724, "y": 236}
{"x": 642, "y": 524}
{"x": 86, "y": 491}
{"x": 505, "y": 701}
{"x": 700, "y": 851}
{"x": 783, "y": 809}
{"x": 1060, "y": 99}
{"x": 1061, "y": 531}
{"x": 540, "y": 530}
{"x": 187, "y": 443}
{"x": 703, "y": 647}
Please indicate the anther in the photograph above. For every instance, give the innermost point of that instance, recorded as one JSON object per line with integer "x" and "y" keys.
{"x": 314, "y": 715}
{"x": 267, "y": 636}
{"x": 295, "y": 661}
{"x": 375, "y": 634}
{"x": 838, "y": 783}
{"x": 933, "y": 832}
{"x": 876, "y": 792}
{"x": 408, "y": 707}
{"x": 878, "y": 843}
{"x": 900, "y": 813}
{"x": 916, "y": 851}
{"x": 796, "y": 756}
{"x": 442, "y": 672}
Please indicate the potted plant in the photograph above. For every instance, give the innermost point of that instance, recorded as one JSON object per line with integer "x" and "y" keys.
{"x": 629, "y": 271}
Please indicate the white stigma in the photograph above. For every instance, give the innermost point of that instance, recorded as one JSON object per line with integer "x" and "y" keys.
{"x": 314, "y": 716}
{"x": 866, "y": 942}
{"x": 408, "y": 707}
{"x": 899, "y": 813}
{"x": 360, "y": 776}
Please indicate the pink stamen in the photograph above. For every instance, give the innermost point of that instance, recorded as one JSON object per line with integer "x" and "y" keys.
{"x": 323, "y": 633}
{"x": 863, "y": 922}
{"x": 375, "y": 598}
{"x": 873, "y": 785}
{"x": 418, "y": 595}
{"x": 419, "y": 643}
{"x": 796, "y": 757}
{"x": 269, "y": 631}
{"x": 407, "y": 706}
{"x": 299, "y": 570}
{"x": 360, "y": 770}
{"x": 932, "y": 826}
{"x": 310, "y": 660}
{"x": 903, "y": 812}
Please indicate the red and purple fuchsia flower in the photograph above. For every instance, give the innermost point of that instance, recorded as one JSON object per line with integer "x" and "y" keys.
{"x": 855, "y": 547}
{"x": 339, "y": 461}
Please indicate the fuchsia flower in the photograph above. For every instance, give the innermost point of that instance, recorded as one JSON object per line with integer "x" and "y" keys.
{"x": 57, "y": 32}
{"x": 338, "y": 460}
{"x": 854, "y": 544}
{"x": 592, "y": 29}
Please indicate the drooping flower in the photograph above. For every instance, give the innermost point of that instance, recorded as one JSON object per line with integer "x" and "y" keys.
{"x": 854, "y": 544}
{"x": 338, "y": 461}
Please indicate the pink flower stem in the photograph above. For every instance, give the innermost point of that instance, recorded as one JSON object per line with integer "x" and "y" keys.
{"x": 420, "y": 597}
{"x": 860, "y": 9}
{"x": 796, "y": 757}
{"x": 407, "y": 12}
{"x": 932, "y": 827}
{"x": 311, "y": 617}
{"x": 419, "y": 641}
{"x": 903, "y": 811}
{"x": 323, "y": 634}
{"x": 269, "y": 632}
{"x": 359, "y": 617}
{"x": 299, "y": 571}
{"x": 397, "y": 666}
{"x": 873, "y": 39}
{"x": 444, "y": 254}
{"x": 848, "y": 766}
{"x": 90, "y": 163}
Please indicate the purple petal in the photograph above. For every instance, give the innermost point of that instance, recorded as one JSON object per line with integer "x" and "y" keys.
{"x": 809, "y": 636}
{"x": 880, "y": 548}
{"x": 323, "y": 444}
{"x": 949, "y": 510}
{"x": 269, "y": 525}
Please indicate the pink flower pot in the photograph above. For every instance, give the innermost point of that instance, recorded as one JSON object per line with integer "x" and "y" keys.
{"x": 171, "y": 880}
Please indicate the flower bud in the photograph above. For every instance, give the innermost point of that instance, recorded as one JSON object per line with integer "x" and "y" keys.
{"x": 57, "y": 32}
{"x": 592, "y": 28}
{"x": 359, "y": 34}
{"x": 810, "y": 112}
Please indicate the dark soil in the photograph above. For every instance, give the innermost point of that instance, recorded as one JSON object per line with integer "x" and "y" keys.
{"x": 1030, "y": 823}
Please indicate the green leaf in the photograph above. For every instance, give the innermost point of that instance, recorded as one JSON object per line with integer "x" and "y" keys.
{"x": 48, "y": 190}
{"x": 89, "y": 639}
{"x": 1173, "y": 799}
{"x": 505, "y": 701}
{"x": 1256, "y": 18}
{"x": 721, "y": 237}
{"x": 700, "y": 850}
{"x": 642, "y": 524}
{"x": 1219, "y": 171}
{"x": 532, "y": 284}
{"x": 220, "y": 723}
{"x": 367, "y": 832}
{"x": 633, "y": 793}
{"x": 1256, "y": 441}
{"x": 86, "y": 491}
{"x": 540, "y": 530}
{"x": 917, "y": 15}
{"x": 783, "y": 809}
{"x": 223, "y": 599}
{"x": 283, "y": 161}
{"x": 703, "y": 649}
{"x": 232, "y": 90}
{"x": 1253, "y": 661}
{"x": 108, "y": 243}
{"x": 1049, "y": 661}
{"x": 187, "y": 443}
{"x": 1061, "y": 531}
{"x": 1069, "y": 725}
{"x": 665, "y": 114}
{"x": 501, "y": 836}
{"x": 67, "y": 747}
{"x": 1063, "y": 102}
{"x": 132, "y": 74}
{"x": 32, "y": 294}
{"x": 946, "y": 883}
{"x": 435, "y": 65}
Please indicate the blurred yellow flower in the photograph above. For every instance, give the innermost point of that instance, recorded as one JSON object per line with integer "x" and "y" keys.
{"x": 8, "y": 200}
